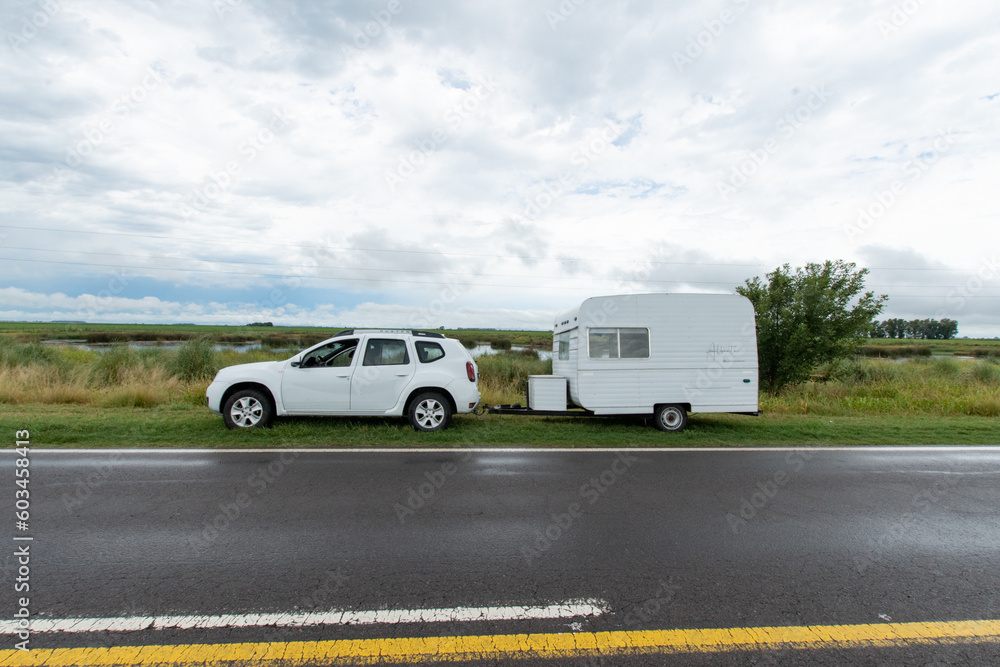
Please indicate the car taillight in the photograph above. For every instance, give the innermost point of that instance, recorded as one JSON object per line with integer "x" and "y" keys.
{"x": 470, "y": 371}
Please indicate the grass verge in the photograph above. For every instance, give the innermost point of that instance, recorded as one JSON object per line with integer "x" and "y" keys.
{"x": 155, "y": 398}
{"x": 189, "y": 426}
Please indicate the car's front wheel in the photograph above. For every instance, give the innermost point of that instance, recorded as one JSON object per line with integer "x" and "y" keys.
{"x": 247, "y": 408}
{"x": 430, "y": 412}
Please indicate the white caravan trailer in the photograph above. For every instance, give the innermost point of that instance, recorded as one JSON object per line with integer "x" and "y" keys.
{"x": 650, "y": 354}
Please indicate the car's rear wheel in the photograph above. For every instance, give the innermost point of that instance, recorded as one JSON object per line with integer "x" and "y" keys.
{"x": 248, "y": 408}
{"x": 670, "y": 418}
{"x": 430, "y": 412}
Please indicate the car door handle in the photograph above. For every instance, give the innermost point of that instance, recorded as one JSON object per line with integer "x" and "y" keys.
{"x": 402, "y": 375}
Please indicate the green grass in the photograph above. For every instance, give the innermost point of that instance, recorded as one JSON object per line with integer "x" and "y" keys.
{"x": 155, "y": 397}
{"x": 920, "y": 387}
{"x": 502, "y": 377}
{"x": 195, "y": 426}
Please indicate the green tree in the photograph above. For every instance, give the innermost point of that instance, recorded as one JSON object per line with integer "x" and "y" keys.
{"x": 895, "y": 327}
{"x": 947, "y": 329}
{"x": 808, "y": 317}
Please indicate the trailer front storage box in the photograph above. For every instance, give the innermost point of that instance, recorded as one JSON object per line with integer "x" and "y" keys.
{"x": 546, "y": 392}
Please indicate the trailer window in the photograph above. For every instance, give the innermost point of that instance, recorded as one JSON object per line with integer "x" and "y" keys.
{"x": 634, "y": 343}
{"x": 603, "y": 343}
{"x": 562, "y": 346}
{"x": 618, "y": 343}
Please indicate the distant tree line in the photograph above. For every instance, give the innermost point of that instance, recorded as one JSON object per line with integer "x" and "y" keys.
{"x": 927, "y": 329}
{"x": 261, "y": 324}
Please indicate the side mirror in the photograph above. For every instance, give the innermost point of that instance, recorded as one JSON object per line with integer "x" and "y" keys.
{"x": 294, "y": 364}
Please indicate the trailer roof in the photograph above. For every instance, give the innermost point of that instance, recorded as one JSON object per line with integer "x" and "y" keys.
{"x": 572, "y": 317}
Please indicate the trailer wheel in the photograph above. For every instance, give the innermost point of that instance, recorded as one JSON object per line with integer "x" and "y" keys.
{"x": 671, "y": 418}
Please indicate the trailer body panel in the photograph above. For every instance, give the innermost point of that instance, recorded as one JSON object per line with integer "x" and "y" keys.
{"x": 627, "y": 354}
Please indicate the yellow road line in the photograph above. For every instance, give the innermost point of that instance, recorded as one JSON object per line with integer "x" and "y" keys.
{"x": 547, "y": 645}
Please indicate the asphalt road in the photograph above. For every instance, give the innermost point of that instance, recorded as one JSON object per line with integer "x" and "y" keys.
{"x": 662, "y": 539}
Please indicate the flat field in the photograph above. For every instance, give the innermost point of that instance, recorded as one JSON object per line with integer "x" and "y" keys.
{"x": 154, "y": 396}
{"x": 269, "y": 336}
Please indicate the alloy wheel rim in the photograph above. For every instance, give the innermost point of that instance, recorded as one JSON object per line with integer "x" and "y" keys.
{"x": 429, "y": 413}
{"x": 247, "y": 412}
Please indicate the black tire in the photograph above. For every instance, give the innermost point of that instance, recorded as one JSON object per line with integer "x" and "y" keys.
{"x": 670, "y": 418}
{"x": 429, "y": 411}
{"x": 248, "y": 408}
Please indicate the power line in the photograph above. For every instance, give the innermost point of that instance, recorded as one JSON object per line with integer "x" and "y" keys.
{"x": 336, "y": 268}
{"x": 385, "y": 270}
{"x": 273, "y": 275}
{"x": 303, "y": 246}
{"x": 389, "y": 280}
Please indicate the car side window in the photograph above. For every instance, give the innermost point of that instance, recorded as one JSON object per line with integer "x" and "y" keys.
{"x": 386, "y": 352}
{"x": 339, "y": 353}
{"x": 428, "y": 352}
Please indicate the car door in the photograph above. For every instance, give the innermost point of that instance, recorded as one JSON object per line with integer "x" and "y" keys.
{"x": 385, "y": 370}
{"x": 320, "y": 383}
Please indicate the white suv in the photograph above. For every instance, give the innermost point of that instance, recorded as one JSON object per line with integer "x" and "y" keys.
{"x": 422, "y": 375}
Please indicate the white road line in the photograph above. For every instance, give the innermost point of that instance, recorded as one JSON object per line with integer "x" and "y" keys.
{"x": 513, "y": 450}
{"x": 567, "y": 609}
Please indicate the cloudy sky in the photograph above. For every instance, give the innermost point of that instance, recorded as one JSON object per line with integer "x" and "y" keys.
{"x": 416, "y": 163}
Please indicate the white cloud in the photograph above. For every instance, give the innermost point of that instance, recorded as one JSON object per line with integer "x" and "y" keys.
{"x": 163, "y": 120}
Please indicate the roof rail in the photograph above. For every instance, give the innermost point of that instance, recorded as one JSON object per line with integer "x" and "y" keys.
{"x": 414, "y": 332}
